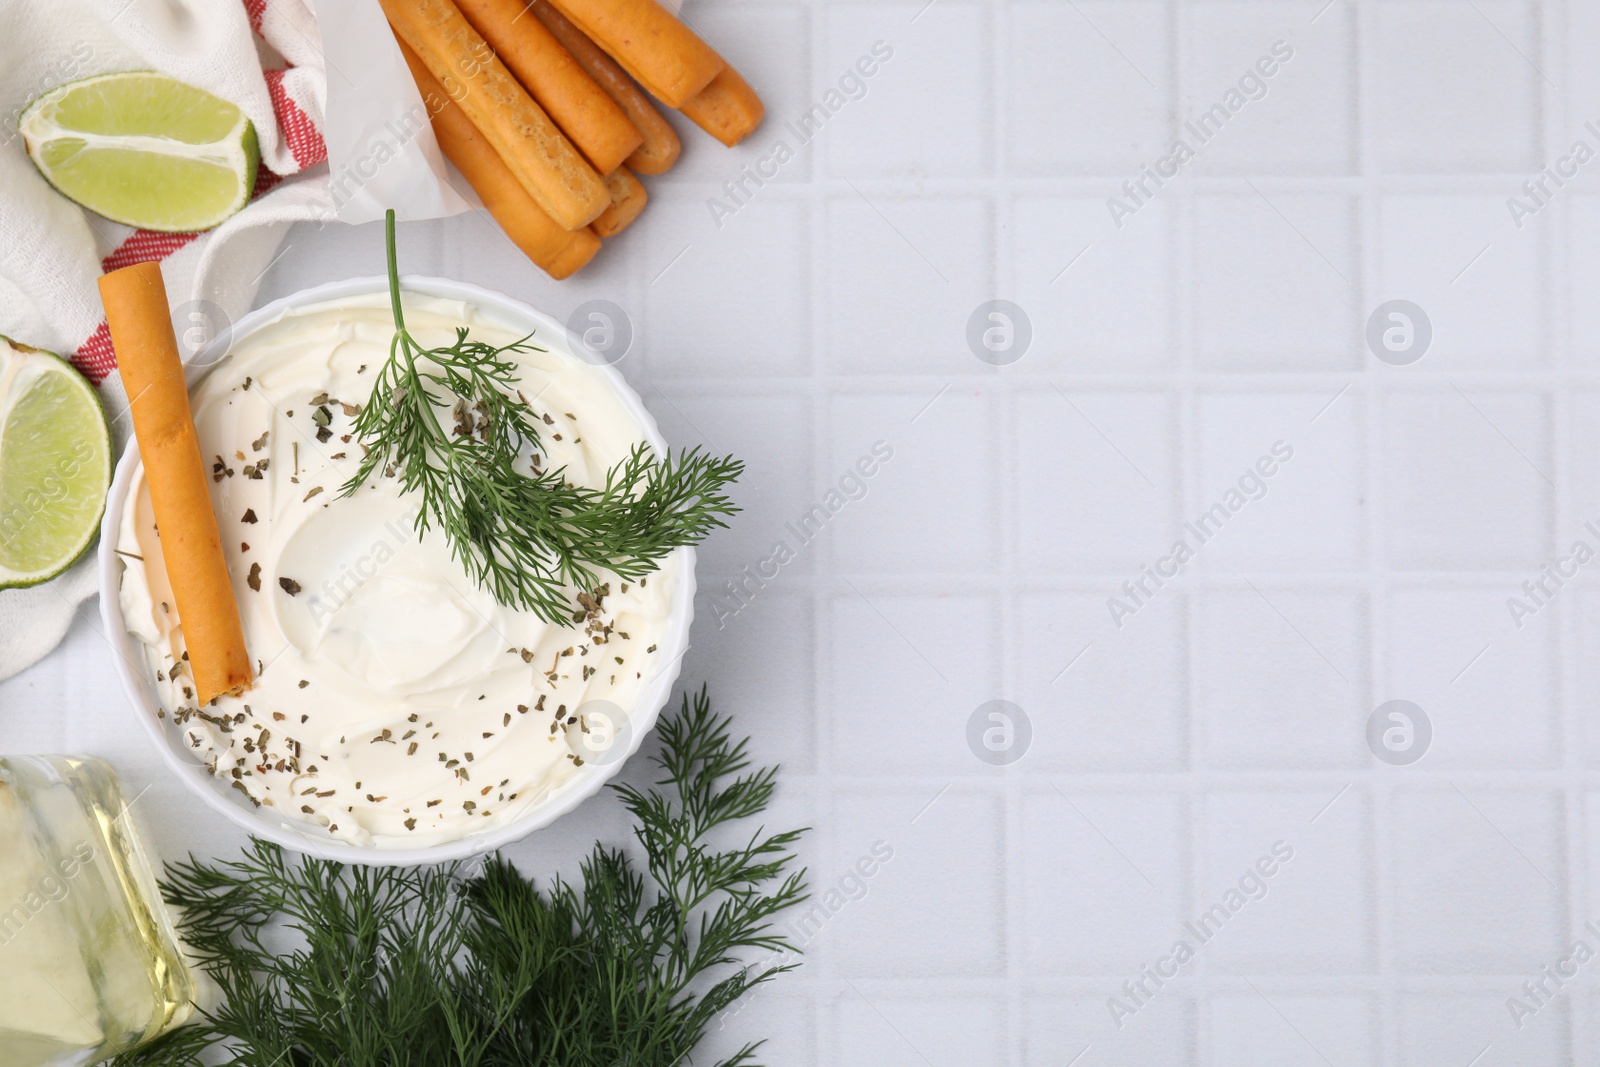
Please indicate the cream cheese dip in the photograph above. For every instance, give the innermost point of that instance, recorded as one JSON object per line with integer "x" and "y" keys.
{"x": 396, "y": 703}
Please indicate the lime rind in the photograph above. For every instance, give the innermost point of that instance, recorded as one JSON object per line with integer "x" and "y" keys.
{"x": 55, "y": 465}
{"x": 144, "y": 150}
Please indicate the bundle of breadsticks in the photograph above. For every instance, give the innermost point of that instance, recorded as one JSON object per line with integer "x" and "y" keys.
{"x": 538, "y": 105}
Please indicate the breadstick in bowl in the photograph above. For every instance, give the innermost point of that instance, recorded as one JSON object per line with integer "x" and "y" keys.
{"x": 152, "y": 373}
{"x": 591, "y": 120}
{"x": 535, "y": 150}
{"x": 661, "y": 144}
{"x": 556, "y": 251}
{"x": 662, "y": 54}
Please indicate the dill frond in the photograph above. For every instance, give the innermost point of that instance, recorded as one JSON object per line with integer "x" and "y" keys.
{"x": 325, "y": 965}
{"x": 529, "y": 537}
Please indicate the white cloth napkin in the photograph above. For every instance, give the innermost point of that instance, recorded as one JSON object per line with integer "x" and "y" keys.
{"x": 381, "y": 151}
{"x": 263, "y": 55}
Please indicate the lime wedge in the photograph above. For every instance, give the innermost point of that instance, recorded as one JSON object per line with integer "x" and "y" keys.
{"x": 142, "y": 149}
{"x": 55, "y": 464}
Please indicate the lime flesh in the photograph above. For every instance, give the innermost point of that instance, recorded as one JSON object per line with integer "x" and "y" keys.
{"x": 55, "y": 465}
{"x": 144, "y": 150}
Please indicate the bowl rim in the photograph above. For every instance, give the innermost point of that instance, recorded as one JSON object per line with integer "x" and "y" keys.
{"x": 271, "y": 825}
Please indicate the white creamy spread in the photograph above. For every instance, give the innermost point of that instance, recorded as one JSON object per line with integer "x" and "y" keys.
{"x": 396, "y": 704}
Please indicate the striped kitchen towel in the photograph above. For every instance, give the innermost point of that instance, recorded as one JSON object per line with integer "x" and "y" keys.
{"x": 263, "y": 55}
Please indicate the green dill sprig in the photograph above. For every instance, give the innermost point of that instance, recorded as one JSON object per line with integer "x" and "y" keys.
{"x": 530, "y": 537}
{"x": 323, "y": 965}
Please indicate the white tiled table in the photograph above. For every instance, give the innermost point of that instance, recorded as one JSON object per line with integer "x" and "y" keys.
{"x": 1229, "y": 712}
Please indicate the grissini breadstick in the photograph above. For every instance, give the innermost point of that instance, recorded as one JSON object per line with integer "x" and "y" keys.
{"x": 556, "y": 251}
{"x": 728, "y": 109}
{"x": 553, "y": 172}
{"x": 627, "y": 201}
{"x": 591, "y": 120}
{"x": 135, "y": 299}
{"x": 661, "y": 144}
{"x": 662, "y": 54}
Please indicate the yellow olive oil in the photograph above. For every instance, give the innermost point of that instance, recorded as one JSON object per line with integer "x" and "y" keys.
{"x": 89, "y": 962}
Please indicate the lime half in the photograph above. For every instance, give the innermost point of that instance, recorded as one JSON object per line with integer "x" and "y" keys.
{"x": 55, "y": 464}
{"x": 142, "y": 149}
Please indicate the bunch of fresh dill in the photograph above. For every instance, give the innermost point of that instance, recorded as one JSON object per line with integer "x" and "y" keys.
{"x": 451, "y": 425}
{"x": 324, "y": 965}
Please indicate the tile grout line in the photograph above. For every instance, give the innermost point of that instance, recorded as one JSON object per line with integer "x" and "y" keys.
{"x": 1005, "y": 285}
{"x": 825, "y": 1008}
{"x": 1555, "y": 261}
{"x": 1417, "y": 380}
{"x": 1378, "y": 792}
{"x": 1186, "y": 475}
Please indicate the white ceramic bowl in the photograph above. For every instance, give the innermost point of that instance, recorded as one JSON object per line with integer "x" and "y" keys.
{"x": 306, "y": 837}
